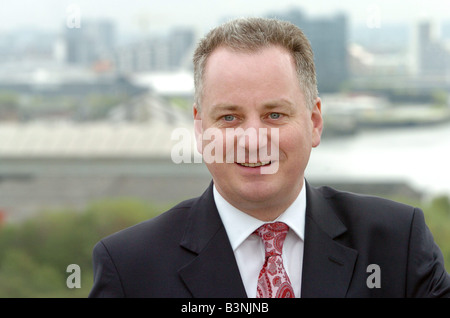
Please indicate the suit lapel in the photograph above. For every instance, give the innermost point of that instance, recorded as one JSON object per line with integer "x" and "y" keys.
{"x": 213, "y": 272}
{"x": 327, "y": 264}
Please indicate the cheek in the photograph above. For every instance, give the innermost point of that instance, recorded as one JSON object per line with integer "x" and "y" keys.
{"x": 295, "y": 144}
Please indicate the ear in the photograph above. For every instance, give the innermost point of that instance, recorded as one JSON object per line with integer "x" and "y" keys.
{"x": 317, "y": 122}
{"x": 198, "y": 129}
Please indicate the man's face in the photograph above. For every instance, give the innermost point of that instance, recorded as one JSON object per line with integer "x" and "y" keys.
{"x": 257, "y": 91}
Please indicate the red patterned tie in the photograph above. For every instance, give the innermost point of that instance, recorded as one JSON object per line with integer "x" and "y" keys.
{"x": 273, "y": 281}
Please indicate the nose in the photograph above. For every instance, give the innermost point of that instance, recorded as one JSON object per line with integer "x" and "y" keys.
{"x": 251, "y": 138}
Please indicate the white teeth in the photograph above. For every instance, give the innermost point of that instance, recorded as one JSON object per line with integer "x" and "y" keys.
{"x": 257, "y": 164}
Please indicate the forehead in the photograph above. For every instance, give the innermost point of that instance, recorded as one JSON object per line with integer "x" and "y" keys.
{"x": 268, "y": 73}
{"x": 225, "y": 59}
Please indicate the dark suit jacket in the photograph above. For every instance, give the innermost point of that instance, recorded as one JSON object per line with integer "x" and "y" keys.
{"x": 185, "y": 252}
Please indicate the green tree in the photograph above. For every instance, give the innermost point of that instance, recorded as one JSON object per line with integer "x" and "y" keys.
{"x": 34, "y": 254}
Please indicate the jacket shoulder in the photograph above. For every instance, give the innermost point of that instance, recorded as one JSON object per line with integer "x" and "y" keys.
{"x": 365, "y": 215}
{"x": 139, "y": 260}
{"x": 366, "y": 204}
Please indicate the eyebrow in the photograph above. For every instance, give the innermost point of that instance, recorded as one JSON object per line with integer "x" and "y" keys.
{"x": 278, "y": 103}
{"x": 224, "y": 108}
{"x": 229, "y": 107}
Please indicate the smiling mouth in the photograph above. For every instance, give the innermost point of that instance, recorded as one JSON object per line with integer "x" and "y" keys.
{"x": 254, "y": 165}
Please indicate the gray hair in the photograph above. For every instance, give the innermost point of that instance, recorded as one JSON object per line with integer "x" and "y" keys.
{"x": 251, "y": 35}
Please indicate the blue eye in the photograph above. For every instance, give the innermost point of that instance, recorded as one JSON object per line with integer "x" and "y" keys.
{"x": 275, "y": 115}
{"x": 228, "y": 117}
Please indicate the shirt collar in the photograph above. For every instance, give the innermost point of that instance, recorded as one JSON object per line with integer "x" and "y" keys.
{"x": 239, "y": 225}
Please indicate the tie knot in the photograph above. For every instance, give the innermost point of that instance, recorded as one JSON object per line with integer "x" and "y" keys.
{"x": 273, "y": 236}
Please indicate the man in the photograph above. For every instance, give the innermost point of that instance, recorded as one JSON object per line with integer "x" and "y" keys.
{"x": 256, "y": 234}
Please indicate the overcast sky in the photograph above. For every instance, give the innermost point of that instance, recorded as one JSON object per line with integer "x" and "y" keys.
{"x": 145, "y": 15}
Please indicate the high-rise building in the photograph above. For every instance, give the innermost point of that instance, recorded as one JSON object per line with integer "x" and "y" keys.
{"x": 169, "y": 52}
{"x": 328, "y": 37}
{"x": 181, "y": 45}
{"x": 91, "y": 42}
{"x": 432, "y": 57}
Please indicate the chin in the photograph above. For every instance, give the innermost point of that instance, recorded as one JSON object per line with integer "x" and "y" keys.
{"x": 259, "y": 191}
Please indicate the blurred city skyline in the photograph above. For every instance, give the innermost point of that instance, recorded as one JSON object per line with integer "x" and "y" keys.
{"x": 379, "y": 26}
{"x": 156, "y": 15}
{"x": 61, "y": 48}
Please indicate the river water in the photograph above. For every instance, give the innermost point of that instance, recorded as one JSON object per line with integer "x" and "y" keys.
{"x": 419, "y": 156}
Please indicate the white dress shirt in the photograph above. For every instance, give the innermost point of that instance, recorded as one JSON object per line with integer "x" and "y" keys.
{"x": 249, "y": 249}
